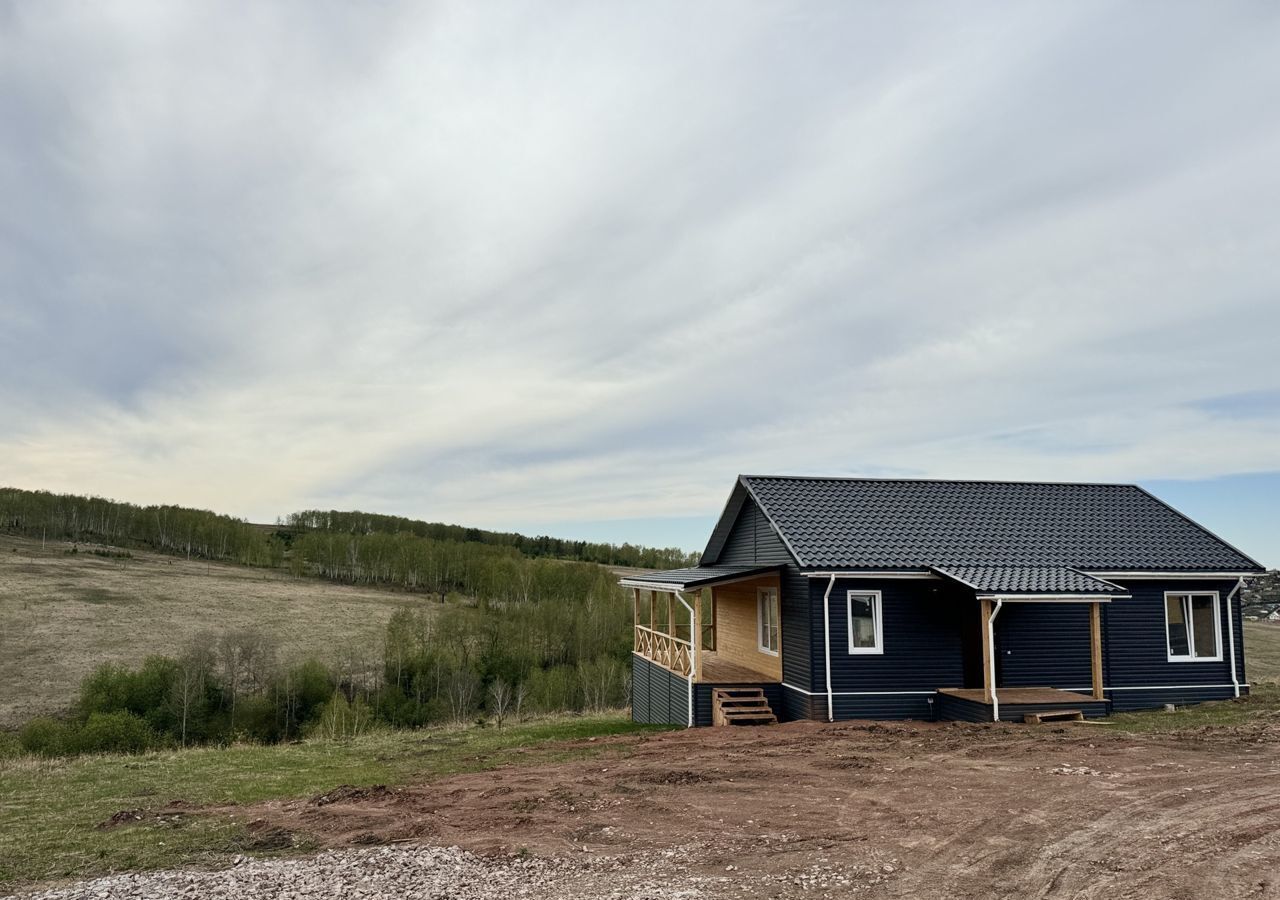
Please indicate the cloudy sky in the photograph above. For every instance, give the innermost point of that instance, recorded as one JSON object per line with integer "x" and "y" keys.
{"x": 572, "y": 267}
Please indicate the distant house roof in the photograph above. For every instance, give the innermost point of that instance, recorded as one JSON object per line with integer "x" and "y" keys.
{"x": 866, "y": 523}
{"x": 1030, "y": 581}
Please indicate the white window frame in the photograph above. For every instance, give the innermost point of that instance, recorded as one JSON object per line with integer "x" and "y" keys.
{"x": 761, "y": 594}
{"x": 877, "y": 615}
{"x": 1191, "y": 640}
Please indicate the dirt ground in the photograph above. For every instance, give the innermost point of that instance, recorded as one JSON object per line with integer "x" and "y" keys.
{"x": 62, "y": 614}
{"x": 872, "y": 810}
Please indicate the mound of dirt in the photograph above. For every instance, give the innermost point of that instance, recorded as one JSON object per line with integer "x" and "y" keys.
{"x": 349, "y": 793}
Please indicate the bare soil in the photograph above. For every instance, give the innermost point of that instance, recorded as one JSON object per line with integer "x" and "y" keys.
{"x": 874, "y": 810}
{"x": 63, "y": 614}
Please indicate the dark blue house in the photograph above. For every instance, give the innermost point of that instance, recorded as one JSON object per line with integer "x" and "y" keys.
{"x": 844, "y": 598}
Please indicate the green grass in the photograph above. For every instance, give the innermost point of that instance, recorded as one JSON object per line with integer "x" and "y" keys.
{"x": 1262, "y": 704}
{"x": 49, "y": 808}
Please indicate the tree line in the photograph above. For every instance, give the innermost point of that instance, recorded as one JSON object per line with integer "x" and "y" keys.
{"x": 362, "y": 523}
{"x": 176, "y": 530}
{"x": 197, "y": 533}
{"x": 419, "y": 564}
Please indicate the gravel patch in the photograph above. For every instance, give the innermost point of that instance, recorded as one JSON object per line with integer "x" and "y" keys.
{"x": 436, "y": 873}
{"x": 411, "y": 873}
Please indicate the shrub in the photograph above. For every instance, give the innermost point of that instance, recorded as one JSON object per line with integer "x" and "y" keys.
{"x": 116, "y": 732}
{"x": 45, "y": 737}
{"x": 257, "y": 719}
{"x": 341, "y": 718}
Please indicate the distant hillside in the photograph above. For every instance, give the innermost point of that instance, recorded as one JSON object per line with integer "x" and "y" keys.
{"x": 202, "y": 534}
{"x": 360, "y": 523}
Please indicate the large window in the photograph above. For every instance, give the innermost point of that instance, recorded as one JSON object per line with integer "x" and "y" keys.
{"x": 1191, "y": 624}
{"x": 866, "y": 633}
{"x": 767, "y": 611}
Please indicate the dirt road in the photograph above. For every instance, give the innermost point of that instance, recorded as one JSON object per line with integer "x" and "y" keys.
{"x": 876, "y": 810}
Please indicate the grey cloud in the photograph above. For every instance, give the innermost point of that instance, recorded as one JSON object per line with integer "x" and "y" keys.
{"x": 469, "y": 260}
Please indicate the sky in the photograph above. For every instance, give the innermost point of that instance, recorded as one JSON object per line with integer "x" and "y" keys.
{"x": 570, "y": 268}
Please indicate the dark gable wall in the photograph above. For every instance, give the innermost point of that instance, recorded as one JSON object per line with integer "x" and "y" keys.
{"x": 752, "y": 541}
{"x": 922, "y": 648}
{"x": 1135, "y": 664}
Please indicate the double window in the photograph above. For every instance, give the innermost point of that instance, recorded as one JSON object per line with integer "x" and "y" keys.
{"x": 767, "y": 616}
{"x": 866, "y": 632}
{"x": 1191, "y": 626}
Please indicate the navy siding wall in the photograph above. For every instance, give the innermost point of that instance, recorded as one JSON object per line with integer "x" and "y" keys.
{"x": 1137, "y": 673}
{"x": 1044, "y": 645}
{"x": 795, "y": 705}
{"x": 752, "y": 541}
{"x": 922, "y": 648}
{"x": 658, "y": 695}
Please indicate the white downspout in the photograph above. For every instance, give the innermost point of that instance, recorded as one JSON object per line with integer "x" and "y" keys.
{"x": 826, "y": 643}
{"x": 1231, "y": 637}
{"x": 991, "y": 643}
{"x": 693, "y": 651}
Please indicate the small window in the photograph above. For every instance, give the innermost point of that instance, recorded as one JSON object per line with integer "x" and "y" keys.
{"x": 1191, "y": 626}
{"x": 865, "y": 634}
{"x": 767, "y": 611}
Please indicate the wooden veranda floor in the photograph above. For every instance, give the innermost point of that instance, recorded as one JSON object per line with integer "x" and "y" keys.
{"x": 1015, "y": 696}
{"x": 718, "y": 671}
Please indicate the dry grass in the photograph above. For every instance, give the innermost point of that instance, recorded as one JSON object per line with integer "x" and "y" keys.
{"x": 1262, "y": 652}
{"x": 62, "y": 615}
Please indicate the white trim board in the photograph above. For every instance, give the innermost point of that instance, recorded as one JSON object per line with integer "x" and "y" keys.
{"x": 1145, "y": 687}
{"x": 1150, "y": 574}
{"x": 1055, "y": 598}
{"x": 853, "y": 693}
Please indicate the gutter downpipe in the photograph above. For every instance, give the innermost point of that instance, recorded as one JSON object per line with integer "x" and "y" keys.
{"x": 991, "y": 643}
{"x": 693, "y": 651}
{"x": 826, "y": 643}
{"x": 1231, "y": 637}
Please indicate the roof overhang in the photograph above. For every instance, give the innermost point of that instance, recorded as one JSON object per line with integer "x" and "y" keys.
{"x": 695, "y": 577}
{"x": 1032, "y": 584}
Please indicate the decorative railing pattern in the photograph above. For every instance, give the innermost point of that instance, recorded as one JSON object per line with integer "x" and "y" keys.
{"x": 666, "y": 650}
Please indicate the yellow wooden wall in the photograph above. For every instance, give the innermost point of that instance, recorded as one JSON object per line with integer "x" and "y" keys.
{"x": 737, "y": 640}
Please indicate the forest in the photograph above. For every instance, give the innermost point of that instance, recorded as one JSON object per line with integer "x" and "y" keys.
{"x": 361, "y": 523}
{"x": 493, "y": 626}
{"x": 207, "y": 535}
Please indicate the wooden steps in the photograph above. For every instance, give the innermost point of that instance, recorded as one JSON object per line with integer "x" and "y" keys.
{"x": 741, "y": 706}
{"x": 1053, "y": 715}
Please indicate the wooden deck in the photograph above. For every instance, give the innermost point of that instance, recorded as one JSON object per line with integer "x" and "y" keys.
{"x": 1018, "y": 696}
{"x": 1016, "y": 704}
{"x": 719, "y": 671}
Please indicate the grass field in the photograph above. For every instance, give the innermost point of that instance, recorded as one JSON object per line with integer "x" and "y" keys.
{"x": 50, "y": 809}
{"x": 61, "y": 615}
{"x": 1262, "y": 652}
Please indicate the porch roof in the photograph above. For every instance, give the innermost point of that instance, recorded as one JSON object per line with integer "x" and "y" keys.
{"x": 695, "y": 577}
{"x": 1032, "y": 582}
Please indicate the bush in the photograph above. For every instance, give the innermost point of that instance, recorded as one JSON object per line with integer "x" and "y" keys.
{"x": 45, "y": 737}
{"x": 341, "y": 718}
{"x": 257, "y": 719}
{"x": 117, "y": 732}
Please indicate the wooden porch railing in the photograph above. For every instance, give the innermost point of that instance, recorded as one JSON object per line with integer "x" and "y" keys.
{"x": 666, "y": 650}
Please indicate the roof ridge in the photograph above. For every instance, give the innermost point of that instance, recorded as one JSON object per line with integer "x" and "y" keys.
{"x": 868, "y": 478}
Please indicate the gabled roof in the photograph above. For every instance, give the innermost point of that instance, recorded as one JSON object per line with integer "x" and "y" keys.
{"x": 868, "y": 523}
{"x": 1031, "y": 581}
